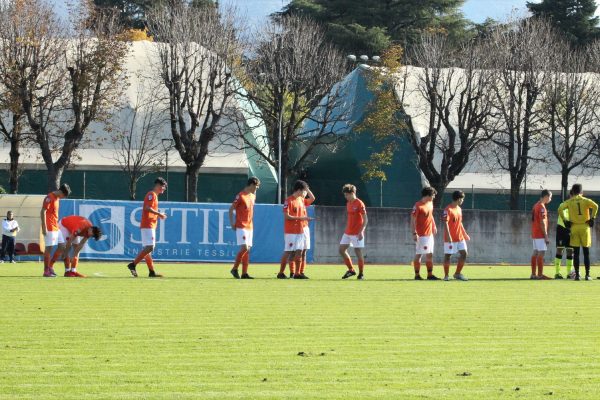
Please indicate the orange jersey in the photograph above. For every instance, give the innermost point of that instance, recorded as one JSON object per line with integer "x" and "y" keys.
{"x": 51, "y": 203}
{"x": 453, "y": 216}
{"x": 244, "y": 210}
{"x": 356, "y": 216}
{"x": 423, "y": 212}
{"x": 149, "y": 220}
{"x": 76, "y": 225}
{"x": 307, "y": 203}
{"x": 295, "y": 207}
{"x": 539, "y": 217}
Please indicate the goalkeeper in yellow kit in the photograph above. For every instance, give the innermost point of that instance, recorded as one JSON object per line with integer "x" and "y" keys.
{"x": 580, "y": 218}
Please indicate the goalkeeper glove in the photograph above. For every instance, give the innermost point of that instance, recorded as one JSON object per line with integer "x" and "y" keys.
{"x": 591, "y": 223}
{"x": 568, "y": 224}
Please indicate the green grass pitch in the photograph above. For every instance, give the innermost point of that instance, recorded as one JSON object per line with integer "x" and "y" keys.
{"x": 200, "y": 334}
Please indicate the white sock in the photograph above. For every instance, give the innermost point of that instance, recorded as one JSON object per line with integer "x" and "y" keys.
{"x": 67, "y": 269}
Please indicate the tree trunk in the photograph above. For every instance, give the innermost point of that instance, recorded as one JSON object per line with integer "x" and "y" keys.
{"x": 132, "y": 188}
{"x": 515, "y": 192}
{"x": 14, "y": 165}
{"x": 564, "y": 184}
{"x": 440, "y": 188}
{"x": 191, "y": 183}
{"x": 54, "y": 178}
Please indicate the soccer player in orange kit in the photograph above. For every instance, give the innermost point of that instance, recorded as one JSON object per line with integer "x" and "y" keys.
{"x": 423, "y": 231}
{"x": 52, "y": 235}
{"x": 243, "y": 206}
{"x": 354, "y": 235}
{"x": 455, "y": 236}
{"x": 76, "y": 231}
{"x": 294, "y": 211}
{"x": 150, "y": 217}
{"x": 539, "y": 234}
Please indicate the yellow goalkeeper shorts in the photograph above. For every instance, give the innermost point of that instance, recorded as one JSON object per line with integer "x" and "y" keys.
{"x": 581, "y": 235}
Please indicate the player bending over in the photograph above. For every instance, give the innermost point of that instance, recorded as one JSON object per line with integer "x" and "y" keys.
{"x": 76, "y": 231}
{"x": 563, "y": 241}
{"x": 52, "y": 235}
{"x": 581, "y": 216}
{"x": 455, "y": 236}
{"x": 354, "y": 235}
{"x": 243, "y": 206}
{"x": 294, "y": 211}
{"x": 150, "y": 216}
{"x": 539, "y": 234}
{"x": 423, "y": 229}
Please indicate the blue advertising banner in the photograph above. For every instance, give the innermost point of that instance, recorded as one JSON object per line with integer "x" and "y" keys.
{"x": 191, "y": 232}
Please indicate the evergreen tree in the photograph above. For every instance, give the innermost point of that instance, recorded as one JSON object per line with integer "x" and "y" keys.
{"x": 370, "y": 26}
{"x": 133, "y": 12}
{"x": 575, "y": 18}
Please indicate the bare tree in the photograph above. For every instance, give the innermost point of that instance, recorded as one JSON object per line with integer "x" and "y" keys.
{"x": 199, "y": 50}
{"x": 570, "y": 113}
{"x": 13, "y": 31}
{"x": 453, "y": 89}
{"x": 293, "y": 87}
{"x": 65, "y": 79}
{"x": 520, "y": 56}
{"x": 137, "y": 137}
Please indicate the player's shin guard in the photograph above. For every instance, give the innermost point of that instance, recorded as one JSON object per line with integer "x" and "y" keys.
{"x": 586, "y": 260}
{"x": 298, "y": 262}
{"x": 67, "y": 262}
{"x": 245, "y": 262}
{"x": 348, "y": 262}
{"x": 302, "y": 265}
{"x": 569, "y": 264}
{"x": 292, "y": 267}
{"x": 149, "y": 262}
{"x": 361, "y": 265}
{"x": 557, "y": 262}
{"x": 533, "y": 265}
{"x": 139, "y": 258}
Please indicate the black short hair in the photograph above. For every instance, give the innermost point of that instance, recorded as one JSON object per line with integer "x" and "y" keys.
{"x": 349, "y": 188}
{"x": 428, "y": 191}
{"x": 253, "y": 181}
{"x": 96, "y": 233}
{"x": 546, "y": 193}
{"x": 458, "y": 194}
{"x": 65, "y": 189}
{"x": 300, "y": 185}
{"x": 577, "y": 189}
{"x": 160, "y": 181}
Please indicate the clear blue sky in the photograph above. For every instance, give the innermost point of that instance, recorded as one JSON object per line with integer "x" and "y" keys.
{"x": 476, "y": 10}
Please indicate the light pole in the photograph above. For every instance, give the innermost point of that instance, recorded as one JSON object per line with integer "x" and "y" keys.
{"x": 167, "y": 145}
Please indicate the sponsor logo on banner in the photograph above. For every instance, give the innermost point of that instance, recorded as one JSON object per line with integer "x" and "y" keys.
{"x": 111, "y": 219}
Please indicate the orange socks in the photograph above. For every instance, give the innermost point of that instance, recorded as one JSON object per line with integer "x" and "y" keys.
{"x": 361, "y": 265}
{"x": 55, "y": 257}
{"x": 139, "y": 258}
{"x": 540, "y": 265}
{"x": 149, "y": 262}
{"x": 533, "y": 265}
{"x": 74, "y": 262}
{"x": 298, "y": 262}
{"x": 348, "y": 262}
{"x": 239, "y": 258}
{"x": 292, "y": 266}
{"x": 447, "y": 268}
{"x": 429, "y": 264}
{"x": 302, "y": 265}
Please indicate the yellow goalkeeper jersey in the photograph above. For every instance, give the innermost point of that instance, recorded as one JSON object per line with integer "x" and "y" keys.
{"x": 580, "y": 210}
